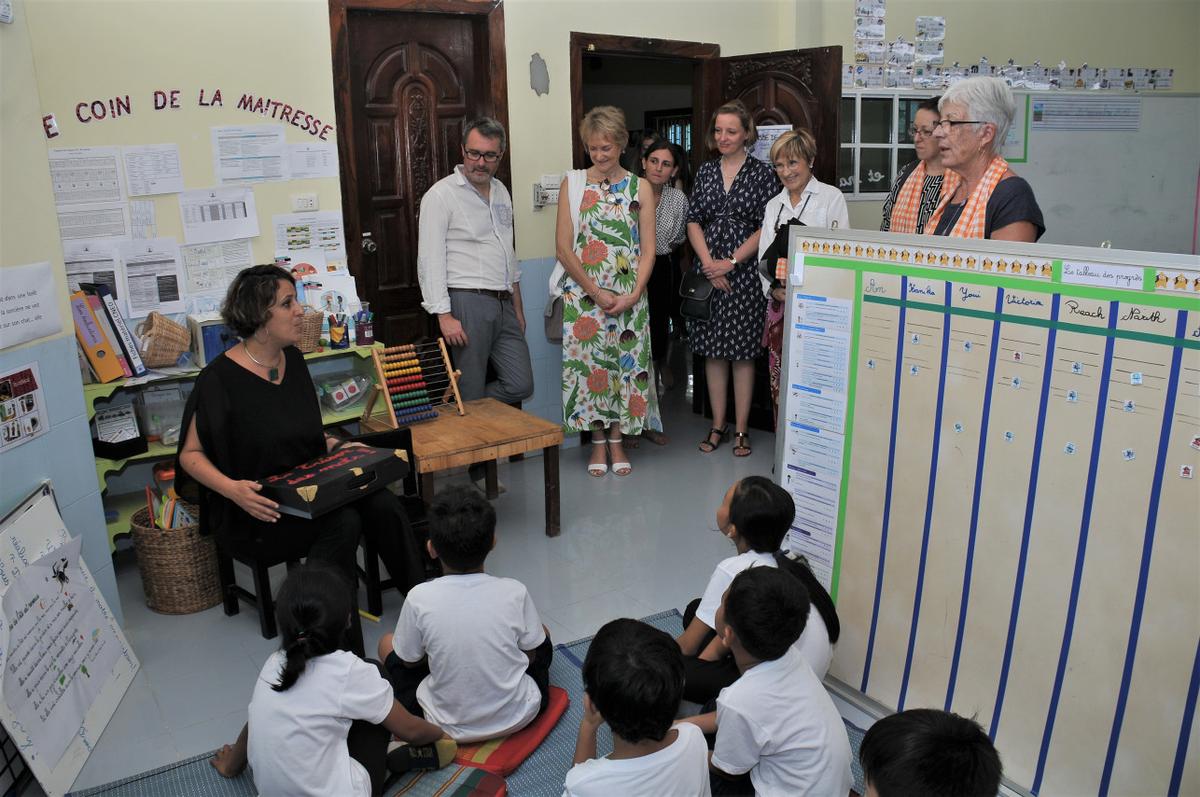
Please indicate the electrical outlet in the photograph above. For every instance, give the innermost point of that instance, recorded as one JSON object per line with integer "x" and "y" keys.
{"x": 304, "y": 202}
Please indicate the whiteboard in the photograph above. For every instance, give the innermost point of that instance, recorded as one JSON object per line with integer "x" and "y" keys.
{"x": 1134, "y": 188}
{"x": 1006, "y": 438}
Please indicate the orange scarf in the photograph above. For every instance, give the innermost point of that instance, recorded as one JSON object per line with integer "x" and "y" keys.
{"x": 906, "y": 212}
{"x": 972, "y": 220}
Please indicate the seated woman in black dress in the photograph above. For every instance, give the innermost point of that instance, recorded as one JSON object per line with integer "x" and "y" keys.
{"x": 254, "y": 413}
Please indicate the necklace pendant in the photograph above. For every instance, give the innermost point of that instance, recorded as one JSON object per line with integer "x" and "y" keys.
{"x": 273, "y": 375}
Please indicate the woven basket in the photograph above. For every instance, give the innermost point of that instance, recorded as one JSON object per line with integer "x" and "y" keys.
{"x": 310, "y": 331}
{"x": 163, "y": 340}
{"x": 178, "y": 566}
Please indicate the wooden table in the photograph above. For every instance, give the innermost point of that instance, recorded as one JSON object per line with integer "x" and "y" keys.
{"x": 490, "y": 430}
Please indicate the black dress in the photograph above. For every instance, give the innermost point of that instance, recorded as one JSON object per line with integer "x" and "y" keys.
{"x": 250, "y": 429}
{"x": 735, "y": 329}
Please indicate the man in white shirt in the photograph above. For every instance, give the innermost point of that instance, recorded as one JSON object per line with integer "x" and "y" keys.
{"x": 468, "y": 269}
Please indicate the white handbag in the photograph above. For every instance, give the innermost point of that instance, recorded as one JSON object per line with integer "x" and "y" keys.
{"x": 576, "y": 178}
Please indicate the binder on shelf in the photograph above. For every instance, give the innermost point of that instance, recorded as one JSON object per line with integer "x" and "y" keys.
{"x": 91, "y": 340}
{"x": 109, "y": 333}
{"x": 124, "y": 338}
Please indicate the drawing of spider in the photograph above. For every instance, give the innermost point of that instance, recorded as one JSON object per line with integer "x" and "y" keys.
{"x": 60, "y": 574}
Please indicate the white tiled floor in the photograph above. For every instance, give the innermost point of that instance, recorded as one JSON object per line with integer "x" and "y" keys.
{"x": 629, "y": 547}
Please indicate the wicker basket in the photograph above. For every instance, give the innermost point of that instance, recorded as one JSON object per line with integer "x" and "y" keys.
{"x": 178, "y": 566}
{"x": 310, "y": 331}
{"x": 163, "y": 340}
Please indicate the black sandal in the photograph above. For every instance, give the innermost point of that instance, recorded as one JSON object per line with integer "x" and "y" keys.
{"x": 707, "y": 445}
{"x": 741, "y": 444}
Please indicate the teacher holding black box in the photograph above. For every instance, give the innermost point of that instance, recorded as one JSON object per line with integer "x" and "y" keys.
{"x": 254, "y": 413}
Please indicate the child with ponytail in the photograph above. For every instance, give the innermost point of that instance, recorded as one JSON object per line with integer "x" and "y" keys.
{"x": 321, "y": 718}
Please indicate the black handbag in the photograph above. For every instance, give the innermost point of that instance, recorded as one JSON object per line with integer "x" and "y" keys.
{"x": 695, "y": 292}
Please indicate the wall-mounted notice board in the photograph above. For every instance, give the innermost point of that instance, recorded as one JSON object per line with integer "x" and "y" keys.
{"x": 993, "y": 451}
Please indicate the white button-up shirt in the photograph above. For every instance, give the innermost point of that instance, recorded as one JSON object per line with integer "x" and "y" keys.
{"x": 464, "y": 240}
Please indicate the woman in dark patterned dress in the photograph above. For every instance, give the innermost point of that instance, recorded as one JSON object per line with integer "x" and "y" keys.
{"x": 724, "y": 221}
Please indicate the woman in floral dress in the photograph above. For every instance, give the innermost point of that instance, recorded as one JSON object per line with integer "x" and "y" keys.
{"x": 608, "y": 377}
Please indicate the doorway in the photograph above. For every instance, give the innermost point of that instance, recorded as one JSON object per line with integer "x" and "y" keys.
{"x": 797, "y": 87}
{"x": 406, "y": 75}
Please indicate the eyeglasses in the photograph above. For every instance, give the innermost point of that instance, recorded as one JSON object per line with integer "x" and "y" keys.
{"x": 781, "y": 166}
{"x": 915, "y": 131}
{"x": 946, "y": 124}
{"x": 474, "y": 154}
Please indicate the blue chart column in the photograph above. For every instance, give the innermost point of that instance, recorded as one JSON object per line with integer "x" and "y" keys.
{"x": 1107, "y": 628}
{"x": 864, "y": 540}
{"x": 921, "y": 331}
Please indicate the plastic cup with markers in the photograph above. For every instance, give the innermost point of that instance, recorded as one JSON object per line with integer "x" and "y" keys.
{"x": 364, "y": 330}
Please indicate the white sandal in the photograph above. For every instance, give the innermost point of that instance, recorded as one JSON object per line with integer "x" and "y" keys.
{"x": 620, "y": 468}
{"x": 598, "y": 469}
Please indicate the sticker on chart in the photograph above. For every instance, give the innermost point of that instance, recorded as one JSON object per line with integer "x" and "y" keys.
{"x": 1186, "y": 471}
{"x": 1008, "y": 437}
{"x": 1128, "y": 406}
{"x": 912, "y": 369}
{"x": 1073, "y": 396}
{"x": 958, "y": 427}
{"x": 1196, "y": 442}
{"x": 1077, "y": 368}
{"x": 1127, "y": 454}
{"x": 1016, "y": 383}
{"x": 1135, "y": 378}
{"x": 966, "y": 345}
{"x": 1069, "y": 448}
{"x": 871, "y": 364}
{"x": 916, "y": 338}
{"x": 1016, "y": 356}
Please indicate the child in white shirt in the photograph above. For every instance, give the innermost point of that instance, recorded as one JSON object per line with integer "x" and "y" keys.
{"x": 469, "y": 651}
{"x": 321, "y": 718}
{"x": 776, "y": 722}
{"x": 931, "y": 753}
{"x": 633, "y": 679}
{"x": 755, "y": 515}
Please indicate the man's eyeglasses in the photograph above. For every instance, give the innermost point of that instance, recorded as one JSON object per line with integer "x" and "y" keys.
{"x": 474, "y": 154}
{"x": 946, "y": 124}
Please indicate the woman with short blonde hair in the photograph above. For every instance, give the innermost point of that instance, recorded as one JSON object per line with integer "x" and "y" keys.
{"x": 607, "y": 251}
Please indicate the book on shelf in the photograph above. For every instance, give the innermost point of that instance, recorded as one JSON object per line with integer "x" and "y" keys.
{"x": 91, "y": 339}
{"x": 125, "y": 339}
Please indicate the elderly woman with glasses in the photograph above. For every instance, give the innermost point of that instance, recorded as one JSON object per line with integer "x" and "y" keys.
{"x": 922, "y": 183}
{"x": 990, "y": 201}
{"x": 806, "y": 201}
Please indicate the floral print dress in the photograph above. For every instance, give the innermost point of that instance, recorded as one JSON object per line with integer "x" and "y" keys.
{"x": 607, "y": 373}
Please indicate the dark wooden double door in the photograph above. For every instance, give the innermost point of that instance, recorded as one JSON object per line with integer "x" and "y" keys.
{"x": 406, "y": 82}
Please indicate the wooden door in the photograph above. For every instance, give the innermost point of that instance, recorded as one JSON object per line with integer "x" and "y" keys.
{"x": 802, "y": 88}
{"x": 405, "y": 82}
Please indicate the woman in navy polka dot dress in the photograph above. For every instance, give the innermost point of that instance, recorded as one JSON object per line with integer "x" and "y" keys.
{"x": 724, "y": 221}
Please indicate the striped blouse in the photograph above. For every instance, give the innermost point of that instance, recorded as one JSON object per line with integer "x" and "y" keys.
{"x": 931, "y": 191}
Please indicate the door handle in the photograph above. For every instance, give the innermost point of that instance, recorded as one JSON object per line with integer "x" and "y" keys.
{"x": 368, "y": 245}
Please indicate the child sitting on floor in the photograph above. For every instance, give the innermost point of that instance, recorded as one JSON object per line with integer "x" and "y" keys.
{"x": 321, "y": 718}
{"x": 924, "y": 752}
{"x": 776, "y": 722}
{"x": 755, "y": 515}
{"x": 633, "y": 680}
{"x": 469, "y": 652}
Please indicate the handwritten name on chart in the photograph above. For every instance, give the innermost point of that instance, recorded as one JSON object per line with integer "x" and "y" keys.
{"x": 107, "y": 108}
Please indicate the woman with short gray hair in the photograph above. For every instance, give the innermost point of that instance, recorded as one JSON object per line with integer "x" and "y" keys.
{"x": 991, "y": 201}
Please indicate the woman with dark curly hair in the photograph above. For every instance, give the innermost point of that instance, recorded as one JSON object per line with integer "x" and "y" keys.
{"x": 253, "y": 413}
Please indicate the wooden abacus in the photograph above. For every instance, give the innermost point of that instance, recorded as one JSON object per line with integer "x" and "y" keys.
{"x": 414, "y": 379}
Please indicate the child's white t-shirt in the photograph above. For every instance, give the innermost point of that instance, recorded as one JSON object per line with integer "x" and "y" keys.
{"x": 778, "y": 723}
{"x": 813, "y": 643}
{"x": 297, "y": 738}
{"x": 680, "y": 769}
{"x": 474, "y": 628}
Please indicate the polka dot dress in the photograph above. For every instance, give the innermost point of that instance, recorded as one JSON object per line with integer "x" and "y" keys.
{"x": 735, "y": 329}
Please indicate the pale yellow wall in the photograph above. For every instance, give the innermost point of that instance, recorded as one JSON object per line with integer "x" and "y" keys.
{"x": 541, "y": 125}
{"x": 28, "y": 225}
{"x": 96, "y": 50}
{"x": 1149, "y": 33}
